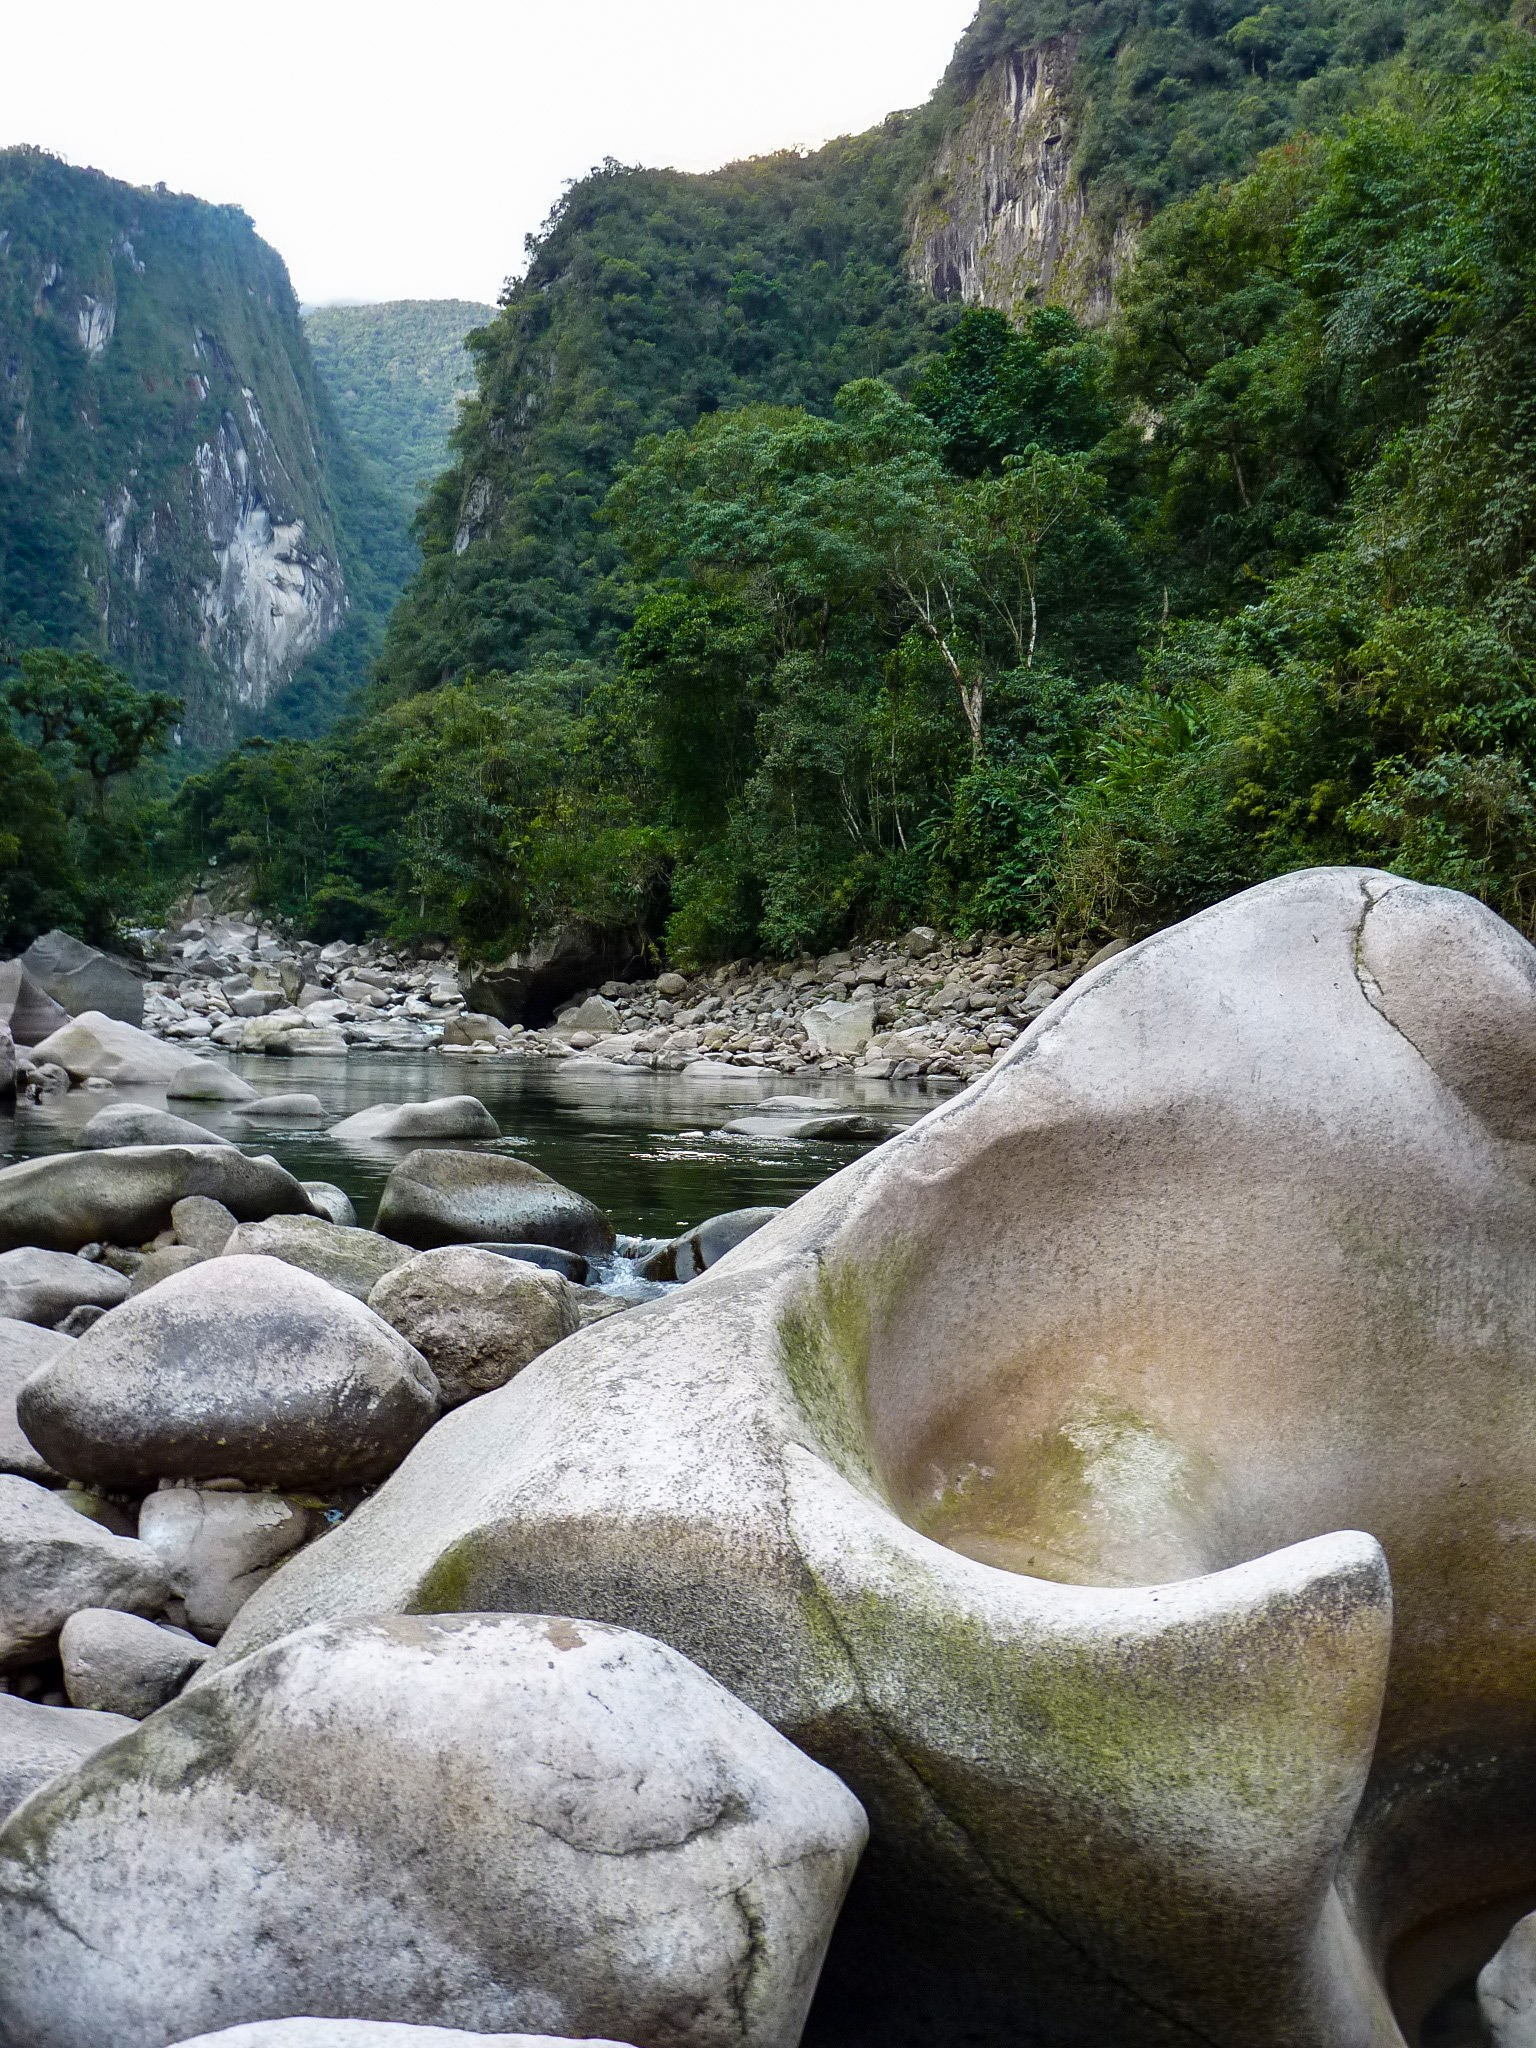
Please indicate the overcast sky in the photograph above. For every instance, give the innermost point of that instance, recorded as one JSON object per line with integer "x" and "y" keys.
{"x": 392, "y": 151}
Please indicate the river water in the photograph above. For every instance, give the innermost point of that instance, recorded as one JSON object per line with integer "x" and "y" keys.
{"x": 646, "y": 1147}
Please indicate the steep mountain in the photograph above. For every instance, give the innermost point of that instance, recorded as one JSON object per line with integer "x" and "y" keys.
{"x": 395, "y": 374}
{"x": 652, "y": 298}
{"x": 175, "y": 491}
{"x": 1068, "y": 123}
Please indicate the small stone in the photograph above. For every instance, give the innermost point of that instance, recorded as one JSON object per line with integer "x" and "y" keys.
{"x": 477, "y": 1319}
{"x": 54, "y": 1562}
{"x": 121, "y": 1664}
{"x": 43, "y": 1286}
{"x": 204, "y": 1224}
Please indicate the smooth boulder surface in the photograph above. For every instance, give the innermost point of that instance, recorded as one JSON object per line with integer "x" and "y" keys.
{"x": 834, "y": 1126}
{"x": 372, "y": 2034}
{"x": 161, "y": 1264}
{"x": 42, "y": 1286}
{"x": 1506, "y": 1989}
{"x": 121, "y": 1664}
{"x": 23, "y": 1348}
{"x": 207, "y": 1081}
{"x": 696, "y": 1250}
{"x": 581, "y": 1831}
{"x": 38, "y": 1744}
{"x": 204, "y": 1224}
{"x": 835, "y": 1027}
{"x": 218, "y": 1547}
{"x": 331, "y": 1202}
{"x": 83, "y": 979}
{"x": 448, "y": 1116}
{"x": 1042, "y": 1471}
{"x": 245, "y": 1368}
{"x": 94, "y": 1047}
{"x": 134, "y": 1123}
{"x": 28, "y": 1012}
{"x": 125, "y": 1195}
{"x": 299, "y": 1108}
{"x": 437, "y": 1198}
{"x": 54, "y": 1562}
{"x": 475, "y": 1318}
{"x": 353, "y": 1260}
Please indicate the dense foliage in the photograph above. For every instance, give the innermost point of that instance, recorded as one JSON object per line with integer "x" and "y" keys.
{"x": 651, "y": 300}
{"x": 85, "y": 826}
{"x": 765, "y": 603}
{"x": 1170, "y": 95}
{"x": 395, "y": 374}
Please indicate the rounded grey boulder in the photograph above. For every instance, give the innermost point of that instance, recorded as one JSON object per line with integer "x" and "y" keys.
{"x": 135, "y": 1123}
{"x": 121, "y": 1664}
{"x": 207, "y": 1081}
{"x": 490, "y": 1822}
{"x": 696, "y": 1250}
{"x": 243, "y": 1368}
{"x": 125, "y": 1196}
{"x": 23, "y": 1348}
{"x": 353, "y": 1260}
{"x": 448, "y": 1116}
{"x": 93, "y": 1047}
{"x": 42, "y": 1287}
{"x": 331, "y": 1202}
{"x": 53, "y": 1562}
{"x": 38, "y": 1744}
{"x": 436, "y": 1198}
{"x": 476, "y": 1318}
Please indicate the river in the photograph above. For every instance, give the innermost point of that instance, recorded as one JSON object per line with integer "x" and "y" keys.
{"x": 646, "y": 1147}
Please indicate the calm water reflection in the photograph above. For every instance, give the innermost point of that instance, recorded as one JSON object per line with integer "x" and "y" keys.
{"x": 645, "y": 1147}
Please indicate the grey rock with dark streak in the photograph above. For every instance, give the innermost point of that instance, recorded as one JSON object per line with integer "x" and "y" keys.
{"x": 54, "y": 1562}
{"x": 435, "y": 1197}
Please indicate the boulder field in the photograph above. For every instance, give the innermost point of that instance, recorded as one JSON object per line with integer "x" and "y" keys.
{"x": 1117, "y": 1479}
{"x": 1114, "y": 1494}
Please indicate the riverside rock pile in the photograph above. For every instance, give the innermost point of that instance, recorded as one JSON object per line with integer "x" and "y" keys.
{"x": 920, "y": 1005}
{"x": 1107, "y": 1498}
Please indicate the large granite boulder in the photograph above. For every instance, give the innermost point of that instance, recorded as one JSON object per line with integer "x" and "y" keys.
{"x": 24, "y": 1347}
{"x": 436, "y": 1198}
{"x": 96, "y": 1047}
{"x": 28, "y": 1012}
{"x": 476, "y": 1318}
{"x": 39, "y": 1743}
{"x": 54, "y": 1562}
{"x": 125, "y": 1195}
{"x": 353, "y": 1260}
{"x": 81, "y": 978}
{"x": 479, "y": 1821}
{"x": 532, "y": 987}
{"x": 42, "y": 1287}
{"x": 243, "y": 1368}
{"x": 138, "y": 1123}
{"x": 447, "y": 1116}
{"x": 1036, "y": 1472}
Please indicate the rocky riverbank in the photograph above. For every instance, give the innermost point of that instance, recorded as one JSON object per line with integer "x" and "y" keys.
{"x": 922, "y": 1005}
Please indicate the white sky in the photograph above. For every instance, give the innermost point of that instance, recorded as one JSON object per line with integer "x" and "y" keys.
{"x": 393, "y": 151}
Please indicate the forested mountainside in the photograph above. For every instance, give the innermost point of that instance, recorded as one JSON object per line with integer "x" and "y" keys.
{"x": 772, "y": 598}
{"x": 395, "y": 374}
{"x": 175, "y": 493}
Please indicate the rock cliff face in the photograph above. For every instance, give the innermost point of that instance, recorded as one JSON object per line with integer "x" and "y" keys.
{"x": 1002, "y": 219}
{"x": 165, "y": 455}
